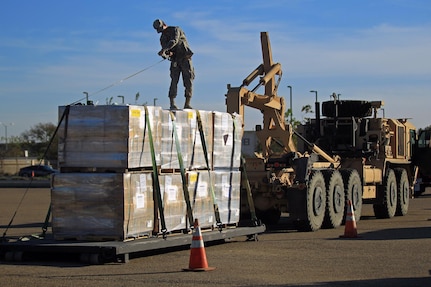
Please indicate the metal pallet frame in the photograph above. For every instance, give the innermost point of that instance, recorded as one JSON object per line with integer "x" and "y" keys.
{"x": 103, "y": 252}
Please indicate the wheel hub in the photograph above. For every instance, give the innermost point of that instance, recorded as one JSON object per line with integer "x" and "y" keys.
{"x": 318, "y": 201}
{"x": 338, "y": 199}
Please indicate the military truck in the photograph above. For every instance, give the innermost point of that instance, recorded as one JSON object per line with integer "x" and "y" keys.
{"x": 379, "y": 149}
{"x": 345, "y": 156}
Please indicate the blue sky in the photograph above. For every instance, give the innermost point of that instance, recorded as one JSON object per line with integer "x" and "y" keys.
{"x": 53, "y": 51}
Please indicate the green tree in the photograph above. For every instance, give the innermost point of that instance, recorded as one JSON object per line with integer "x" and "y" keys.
{"x": 14, "y": 148}
{"x": 38, "y": 139}
{"x": 39, "y": 133}
{"x": 425, "y": 128}
{"x": 294, "y": 121}
{"x": 291, "y": 119}
{"x": 306, "y": 110}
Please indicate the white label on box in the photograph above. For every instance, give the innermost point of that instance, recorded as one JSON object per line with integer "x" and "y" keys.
{"x": 172, "y": 192}
{"x": 202, "y": 189}
{"x": 149, "y": 223}
{"x": 225, "y": 186}
{"x": 140, "y": 200}
{"x": 226, "y": 190}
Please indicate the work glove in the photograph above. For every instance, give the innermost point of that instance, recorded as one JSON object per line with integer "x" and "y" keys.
{"x": 164, "y": 54}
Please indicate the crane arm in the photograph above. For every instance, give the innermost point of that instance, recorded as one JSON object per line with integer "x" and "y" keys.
{"x": 270, "y": 104}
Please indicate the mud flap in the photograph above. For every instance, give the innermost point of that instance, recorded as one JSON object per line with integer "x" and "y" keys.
{"x": 297, "y": 199}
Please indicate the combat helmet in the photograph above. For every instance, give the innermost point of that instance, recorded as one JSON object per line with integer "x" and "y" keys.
{"x": 158, "y": 25}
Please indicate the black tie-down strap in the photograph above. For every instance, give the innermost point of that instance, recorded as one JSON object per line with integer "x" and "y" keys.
{"x": 156, "y": 182}
{"x": 48, "y": 215}
{"x": 205, "y": 151}
{"x": 183, "y": 172}
{"x": 246, "y": 184}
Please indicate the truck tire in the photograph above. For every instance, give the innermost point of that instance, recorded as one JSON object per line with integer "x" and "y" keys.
{"x": 353, "y": 191}
{"x": 403, "y": 188}
{"x": 389, "y": 193}
{"x": 335, "y": 199}
{"x": 315, "y": 203}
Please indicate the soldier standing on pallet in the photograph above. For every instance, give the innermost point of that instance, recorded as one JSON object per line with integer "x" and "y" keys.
{"x": 176, "y": 49}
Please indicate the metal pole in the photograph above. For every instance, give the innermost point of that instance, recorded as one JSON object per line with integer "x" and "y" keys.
{"x": 86, "y": 97}
{"x": 154, "y": 101}
{"x": 317, "y": 106}
{"x": 315, "y": 93}
{"x": 5, "y": 132}
{"x": 291, "y": 108}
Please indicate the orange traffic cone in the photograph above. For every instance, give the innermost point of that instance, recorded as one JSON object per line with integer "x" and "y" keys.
{"x": 350, "y": 227}
{"x": 198, "y": 257}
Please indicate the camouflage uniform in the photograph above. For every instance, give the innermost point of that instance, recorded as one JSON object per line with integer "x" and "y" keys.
{"x": 174, "y": 45}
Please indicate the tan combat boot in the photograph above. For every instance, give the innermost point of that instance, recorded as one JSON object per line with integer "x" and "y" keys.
{"x": 187, "y": 103}
{"x": 173, "y": 106}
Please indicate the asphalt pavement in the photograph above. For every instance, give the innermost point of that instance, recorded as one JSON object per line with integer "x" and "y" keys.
{"x": 388, "y": 252}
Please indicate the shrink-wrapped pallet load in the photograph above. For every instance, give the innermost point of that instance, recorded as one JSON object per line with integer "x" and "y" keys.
{"x": 107, "y": 137}
{"x": 227, "y": 141}
{"x": 185, "y": 123}
{"x": 106, "y": 188}
{"x": 227, "y": 192}
{"x": 174, "y": 206}
{"x": 201, "y": 140}
{"x": 199, "y": 187}
{"x": 102, "y": 206}
{"x": 171, "y": 127}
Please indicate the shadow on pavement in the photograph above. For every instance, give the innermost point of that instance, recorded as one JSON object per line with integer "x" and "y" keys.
{"x": 389, "y": 282}
{"x": 25, "y": 225}
{"x": 397, "y": 234}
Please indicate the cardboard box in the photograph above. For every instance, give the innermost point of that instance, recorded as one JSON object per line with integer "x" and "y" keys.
{"x": 191, "y": 147}
{"x": 110, "y": 137}
{"x": 102, "y": 206}
{"x": 227, "y": 192}
{"x": 174, "y": 205}
{"x": 199, "y": 187}
{"x": 227, "y": 141}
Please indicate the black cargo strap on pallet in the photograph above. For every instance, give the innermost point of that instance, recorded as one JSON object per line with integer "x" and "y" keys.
{"x": 45, "y": 226}
{"x": 143, "y": 140}
{"x": 64, "y": 117}
{"x": 205, "y": 151}
{"x": 246, "y": 183}
{"x": 232, "y": 158}
{"x": 182, "y": 170}
{"x": 156, "y": 176}
{"x": 46, "y": 223}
